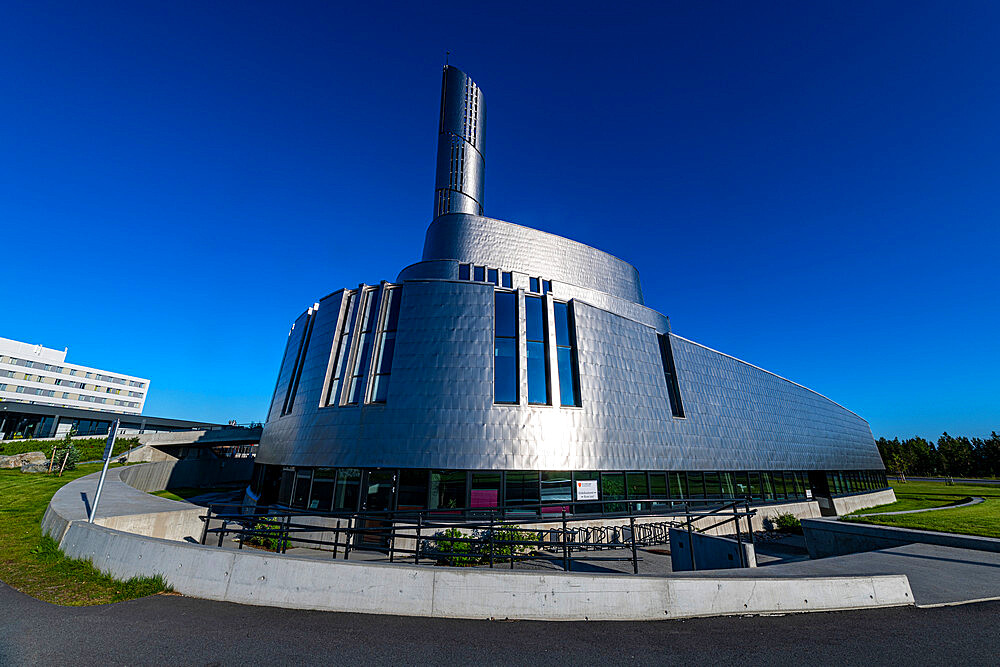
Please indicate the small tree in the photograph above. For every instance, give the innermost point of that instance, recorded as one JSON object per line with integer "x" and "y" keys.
{"x": 65, "y": 447}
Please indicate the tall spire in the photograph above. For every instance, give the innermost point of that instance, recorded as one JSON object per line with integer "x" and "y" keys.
{"x": 461, "y": 162}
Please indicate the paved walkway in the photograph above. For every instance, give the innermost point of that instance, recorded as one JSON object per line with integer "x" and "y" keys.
{"x": 176, "y": 630}
{"x": 974, "y": 501}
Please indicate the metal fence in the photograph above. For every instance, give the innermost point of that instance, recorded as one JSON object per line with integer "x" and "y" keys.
{"x": 474, "y": 536}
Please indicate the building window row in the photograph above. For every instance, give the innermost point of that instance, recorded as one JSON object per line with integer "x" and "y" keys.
{"x": 49, "y": 393}
{"x": 533, "y": 492}
{"x": 39, "y": 365}
{"x": 501, "y": 278}
{"x": 486, "y": 274}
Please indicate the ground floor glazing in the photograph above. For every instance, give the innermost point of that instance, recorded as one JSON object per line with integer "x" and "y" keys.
{"x": 534, "y": 492}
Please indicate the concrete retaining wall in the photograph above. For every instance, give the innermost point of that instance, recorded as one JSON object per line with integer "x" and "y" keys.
{"x": 123, "y": 507}
{"x": 827, "y": 537}
{"x": 711, "y": 552}
{"x": 177, "y": 474}
{"x": 304, "y": 583}
{"x": 847, "y": 504}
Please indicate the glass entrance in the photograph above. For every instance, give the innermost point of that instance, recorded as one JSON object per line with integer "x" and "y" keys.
{"x": 379, "y": 492}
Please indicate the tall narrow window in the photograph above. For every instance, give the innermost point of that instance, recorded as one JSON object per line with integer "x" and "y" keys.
{"x": 569, "y": 379}
{"x": 362, "y": 350}
{"x": 463, "y": 271}
{"x": 480, "y": 274}
{"x": 340, "y": 351}
{"x": 670, "y": 374}
{"x": 492, "y": 277}
{"x": 505, "y": 347}
{"x": 293, "y": 381}
{"x": 507, "y": 280}
{"x": 538, "y": 358}
{"x": 386, "y": 347}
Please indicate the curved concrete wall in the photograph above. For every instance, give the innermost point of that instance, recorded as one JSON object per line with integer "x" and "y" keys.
{"x": 305, "y": 583}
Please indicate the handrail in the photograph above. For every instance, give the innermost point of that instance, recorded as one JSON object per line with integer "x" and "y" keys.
{"x": 382, "y": 531}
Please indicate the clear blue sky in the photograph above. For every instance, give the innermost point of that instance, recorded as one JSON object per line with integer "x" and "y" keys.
{"x": 811, "y": 187}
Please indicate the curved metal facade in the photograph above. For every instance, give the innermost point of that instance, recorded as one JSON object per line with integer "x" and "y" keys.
{"x": 438, "y": 410}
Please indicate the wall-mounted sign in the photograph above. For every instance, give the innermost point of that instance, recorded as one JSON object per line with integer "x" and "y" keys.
{"x": 586, "y": 489}
{"x": 809, "y": 493}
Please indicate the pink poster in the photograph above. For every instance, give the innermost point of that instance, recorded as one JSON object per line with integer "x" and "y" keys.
{"x": 484, "y": 497}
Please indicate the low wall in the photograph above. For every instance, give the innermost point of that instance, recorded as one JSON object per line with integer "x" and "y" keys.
{"x": 847, "y": 504}
{"x": 127, "y": 505}
{"x": 304, "y": 583}
{"x": 711, "y": 552}
{"x": 161, "y": 475}
{"x": 829, "y": 537}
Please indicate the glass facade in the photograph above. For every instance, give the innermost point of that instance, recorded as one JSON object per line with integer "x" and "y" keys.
{"x": 362, "y": 347}
{"x": 386, "y": 346}
{"x": 505, "y": 348}
{"x": 341, "y": 347}
{"x": 670, "y": 375}
{"x": 538, "y": 352}
{"x": 569, "y": 379}
{"x": 534, "y": 492}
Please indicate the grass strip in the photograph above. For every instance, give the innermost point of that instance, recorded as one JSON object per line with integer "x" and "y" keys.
{"x": 33, "y": 563}
{"x": 982, "y": 520}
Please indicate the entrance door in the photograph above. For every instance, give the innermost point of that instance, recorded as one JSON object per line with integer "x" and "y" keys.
{"x": 379, "y": 496}
{"x": 821, "y": 492}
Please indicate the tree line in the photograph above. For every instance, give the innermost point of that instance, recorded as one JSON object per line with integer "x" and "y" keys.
{"x": 951, "y": 456}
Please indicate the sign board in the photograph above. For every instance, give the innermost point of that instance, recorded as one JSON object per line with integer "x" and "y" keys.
{"x": 809, "y": 493}
{"x": 586, "y": 489}
{"x": 112, "y": 432}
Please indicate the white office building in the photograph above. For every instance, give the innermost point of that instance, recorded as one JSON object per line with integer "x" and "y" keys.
{"x": 40, "y": 375}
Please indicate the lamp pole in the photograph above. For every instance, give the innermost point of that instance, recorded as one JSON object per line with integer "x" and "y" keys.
{"x": 104, "y": 471}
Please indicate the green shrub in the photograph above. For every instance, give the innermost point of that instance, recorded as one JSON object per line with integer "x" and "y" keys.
{"x": 787, "y": 523}
{"x": 451, "y": 548}
{"x": 267, "y": 534}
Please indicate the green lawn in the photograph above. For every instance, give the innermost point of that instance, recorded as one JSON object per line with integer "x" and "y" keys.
{"x": 181, "y": 493}
{"x": 33, "y": 564}
{"x": 185, "y": 492}
{"x": 983, "y": 519}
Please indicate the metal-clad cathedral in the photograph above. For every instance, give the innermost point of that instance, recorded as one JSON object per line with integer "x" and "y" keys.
{"x": 509, "y": 364}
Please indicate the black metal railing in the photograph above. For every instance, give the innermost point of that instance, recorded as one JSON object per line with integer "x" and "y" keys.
{"x": 483, "y": 536}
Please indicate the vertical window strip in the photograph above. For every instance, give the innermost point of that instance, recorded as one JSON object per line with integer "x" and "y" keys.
{"x": 386, "y": 346}
{"x": 537, "y": 344}
{"x": 302, "y": 356}
{"x": 340, "y": 351}
{"x": 505, "y": 347}
{"x": 670, "y": 375}
{"x": 362, "y": 350}
{"x": 566, "y": 355}
{"x": 293, "y": 376}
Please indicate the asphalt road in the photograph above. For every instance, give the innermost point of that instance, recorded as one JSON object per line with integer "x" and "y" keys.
{"x": 175, "y": 630}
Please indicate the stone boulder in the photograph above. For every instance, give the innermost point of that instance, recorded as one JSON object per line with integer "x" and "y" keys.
{"x": 34, "y": 467}
{"x": 18, "y": 460}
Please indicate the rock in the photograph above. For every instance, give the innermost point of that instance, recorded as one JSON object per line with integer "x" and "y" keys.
{"x": 17, "y": 460}
{"x": 34, "y": 467}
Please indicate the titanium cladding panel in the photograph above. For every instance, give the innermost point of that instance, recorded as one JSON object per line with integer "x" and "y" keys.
{"x": 440, "y": 413}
